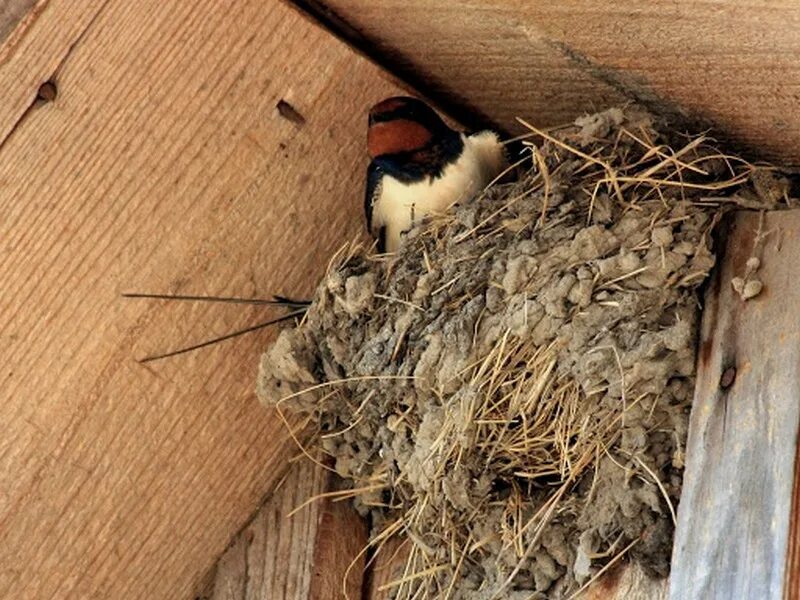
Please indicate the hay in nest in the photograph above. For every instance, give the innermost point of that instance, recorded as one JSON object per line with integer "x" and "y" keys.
{"x": 511, "y": 390}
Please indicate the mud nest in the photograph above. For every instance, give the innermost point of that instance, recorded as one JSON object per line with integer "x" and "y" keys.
{"x": 510, "y": 391}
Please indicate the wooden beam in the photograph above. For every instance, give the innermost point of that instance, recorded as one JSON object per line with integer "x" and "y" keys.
{"x": 300, "y": 557}
{"x": 738, "y": 506}
{"x": 162, "y": 164}
{"x": 723, "y": 64}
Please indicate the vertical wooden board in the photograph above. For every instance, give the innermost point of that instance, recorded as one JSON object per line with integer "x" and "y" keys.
{"x": 163, "y": 165}
{"x": 339, "y": 552}
{"x": 300, "y": 557}
{"x": 724, "y": 63}
{"x": 735, "y": 513}
{"x": 387, "y": 567}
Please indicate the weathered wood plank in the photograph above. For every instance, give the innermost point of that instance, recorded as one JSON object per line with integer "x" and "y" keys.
{"x": 163, "y": 164}
{"x": 302, "y": 557}
{"x": 729, "y": 64}
{"x": 735, "y": 515}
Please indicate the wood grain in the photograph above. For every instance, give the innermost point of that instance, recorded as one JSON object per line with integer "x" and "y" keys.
{"x": 302, "y": 557}
{"x": 735, "y": 513}
{"x": 162, "y": 165}
{"x": 723, "y": 63}
{"x": 387, "y": 566}
{"x": 11, "y": 12}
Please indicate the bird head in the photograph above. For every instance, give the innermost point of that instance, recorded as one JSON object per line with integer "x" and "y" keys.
{"x": 401, "y": 125}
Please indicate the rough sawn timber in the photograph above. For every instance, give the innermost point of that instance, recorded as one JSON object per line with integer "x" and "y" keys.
{"x": 162, "y": 165}
{"x": 732, "y": 65}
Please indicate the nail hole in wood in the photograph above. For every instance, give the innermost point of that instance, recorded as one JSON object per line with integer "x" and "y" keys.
{"x": 728, "y": 377}
{"x": 48, "y": 91}
{"x": 290, "y": 113}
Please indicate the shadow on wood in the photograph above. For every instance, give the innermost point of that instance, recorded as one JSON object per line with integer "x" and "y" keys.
{"x": 726, "y": 64}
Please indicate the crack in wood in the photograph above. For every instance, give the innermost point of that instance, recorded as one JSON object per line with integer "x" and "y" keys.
{"x": 18, "y": 123}
{"x": 78, "y": 40}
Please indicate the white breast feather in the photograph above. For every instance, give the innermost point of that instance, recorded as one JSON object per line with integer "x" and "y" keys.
{"x": 399, "y": 205}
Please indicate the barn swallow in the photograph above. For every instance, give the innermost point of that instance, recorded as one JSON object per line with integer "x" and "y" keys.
{"x": 419, "y": 166}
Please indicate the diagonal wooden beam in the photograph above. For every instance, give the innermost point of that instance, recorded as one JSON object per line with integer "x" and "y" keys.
{"x": 160, "y": 162}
